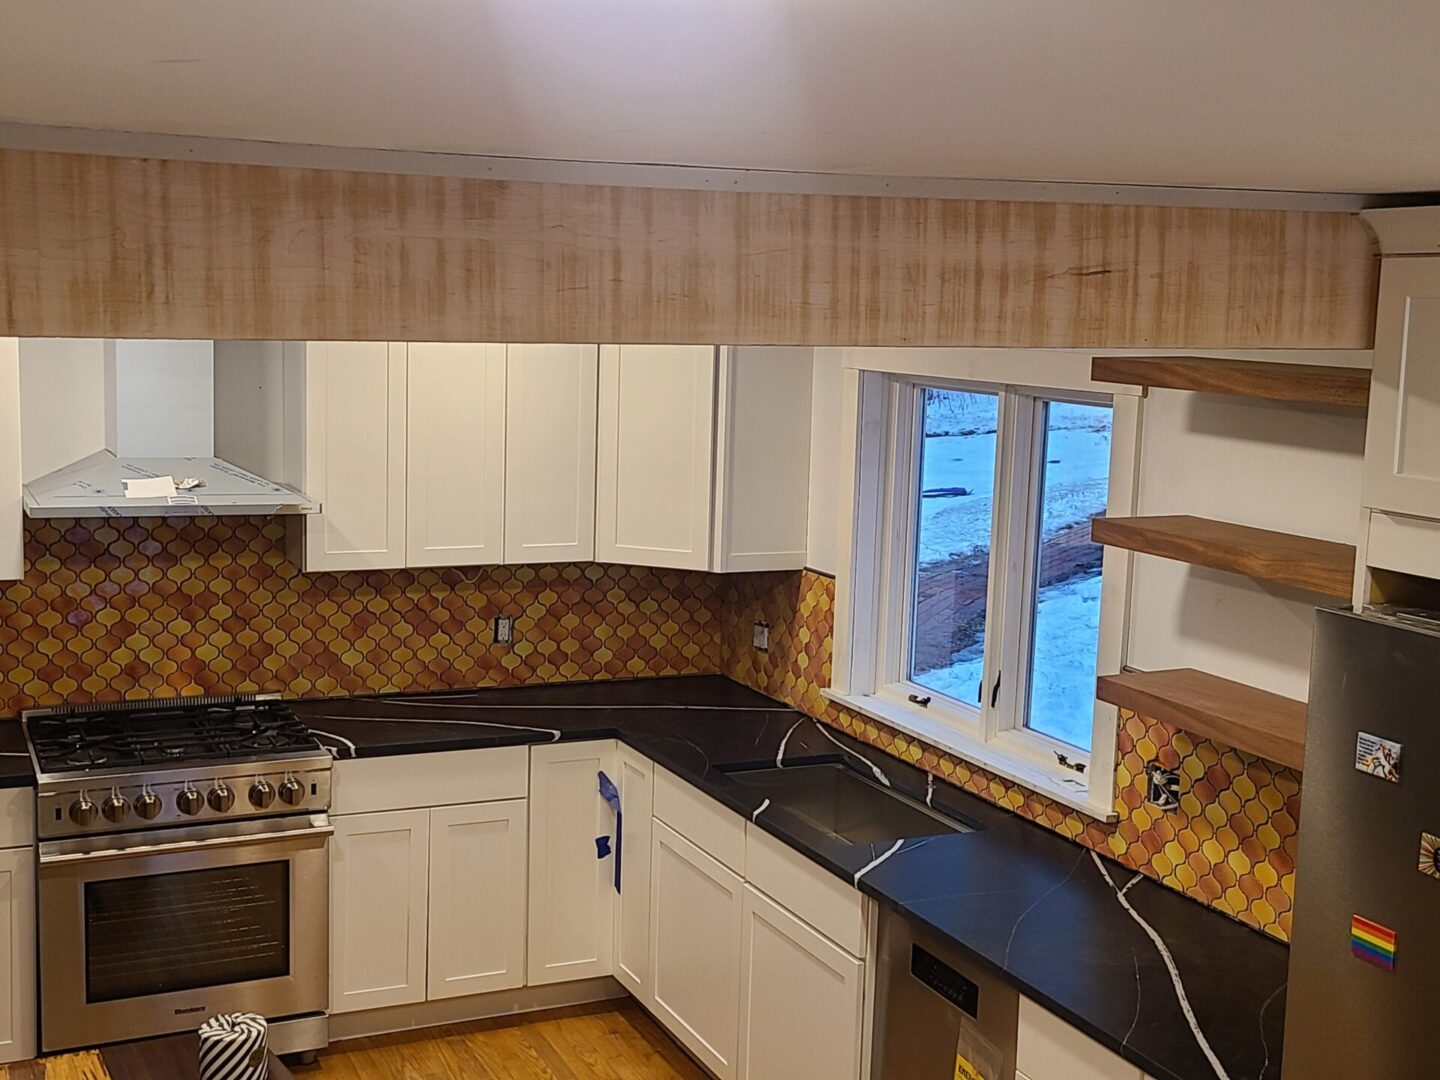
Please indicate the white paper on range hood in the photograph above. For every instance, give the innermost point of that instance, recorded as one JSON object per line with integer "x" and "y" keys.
{"x": 94, "y": 487}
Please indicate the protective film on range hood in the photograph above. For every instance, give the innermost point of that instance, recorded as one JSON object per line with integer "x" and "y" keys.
{"x": 94, "y": 487}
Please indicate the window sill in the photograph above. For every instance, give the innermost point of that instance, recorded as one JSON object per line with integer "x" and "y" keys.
{"x": 1060, "y": 785}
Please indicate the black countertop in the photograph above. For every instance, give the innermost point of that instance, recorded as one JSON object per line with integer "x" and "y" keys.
{"x": 1181, "y": 991}
{"x": 15, "y": 767}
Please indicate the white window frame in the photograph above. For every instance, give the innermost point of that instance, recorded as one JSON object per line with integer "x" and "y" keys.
{"x": 875, "y": 586}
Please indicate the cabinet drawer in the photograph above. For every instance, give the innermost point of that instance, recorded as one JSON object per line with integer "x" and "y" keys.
{"x": 1047, "y": 1048}
{"x": 808, "y": 891}
{"x": 422, "y": 780}
{"x": 715, "y": 830}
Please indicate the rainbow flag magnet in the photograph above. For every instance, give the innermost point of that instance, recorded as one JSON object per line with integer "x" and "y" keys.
{"x": 1373, "y": 943}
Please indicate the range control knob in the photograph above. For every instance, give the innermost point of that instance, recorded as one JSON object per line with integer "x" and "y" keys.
{"x": 148, "y": 805}
{"x": 292, "y": 792}
{"x": 83, "y": 812}
{"x": 262, "y": 794}
{"x": 221, "y": 798}
{"x": 115, "y": 808}
{"x": 189, "y": 802}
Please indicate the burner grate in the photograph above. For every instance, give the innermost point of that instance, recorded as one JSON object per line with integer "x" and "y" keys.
{"x": 149, "y": 733}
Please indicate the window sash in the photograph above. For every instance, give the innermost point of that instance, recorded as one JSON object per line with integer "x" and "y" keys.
{"x": 1011, "y": 600}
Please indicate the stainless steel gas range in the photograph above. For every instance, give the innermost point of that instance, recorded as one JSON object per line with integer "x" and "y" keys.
{"x": 183, "y": 869}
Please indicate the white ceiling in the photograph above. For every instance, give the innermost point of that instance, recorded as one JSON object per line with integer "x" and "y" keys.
{"x": 1314, "y": 95}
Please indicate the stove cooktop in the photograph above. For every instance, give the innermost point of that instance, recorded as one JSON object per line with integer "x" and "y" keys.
{"x": 156, "y": 735}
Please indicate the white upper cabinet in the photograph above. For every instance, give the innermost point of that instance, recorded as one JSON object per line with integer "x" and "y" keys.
{"x": 442, "y": 454}
{"x": 455, "y": 506}
{"x": 550, "y": 453}
{"x": 762, "y": 474}
{"x": 703, "y": 457}
{"x": 656, "y": 455}
{"x": 1402, "y": 445}
{"x": 351, "y": 441}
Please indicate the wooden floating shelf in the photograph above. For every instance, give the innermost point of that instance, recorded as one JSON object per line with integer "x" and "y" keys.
{"x": 1302, "y": 562}
{"x": 1255, "y": 721}
{"x": 1310, "y": 384}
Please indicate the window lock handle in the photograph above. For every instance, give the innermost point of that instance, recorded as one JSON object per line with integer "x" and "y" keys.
{"x": 995, "y": 690}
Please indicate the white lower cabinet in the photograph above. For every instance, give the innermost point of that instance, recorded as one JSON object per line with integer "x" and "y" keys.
{"x": 572, "y": 888}
{"x": 802, "y": 998}
{"x": 379, "y": 884}
{"x": 696, "y": 908}
{"x": 636, "y": 781}
{"x": 17, "y": 953}
{"x": 428, "y": 901}
{"x": 1047, "y": 1048}
{"x": 478, "y": 856}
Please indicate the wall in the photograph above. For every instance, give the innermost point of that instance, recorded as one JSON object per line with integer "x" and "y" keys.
{"x": 125, "y": 607}
{"x": 95, "y": 246}
{"x": 63, "y": 380}
{"x": 1230, "y": 845}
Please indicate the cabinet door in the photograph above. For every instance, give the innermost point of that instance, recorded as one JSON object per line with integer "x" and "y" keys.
{"x": 17, "y": 954}
{"x": 655, "y": 458}
{"x": 636, "y": 781}
{"x": 477, "y": 899}
{"x": 695, "y": 917}
{"x": 1402, "y": 439}
{"x": 378, "y": 887}
{"x": 572, "y": 891}
{"x": 354, "y": 454}
{"x": 762, "y": 458}
{"x": 802, "y": 998}
{"x": 550, "y": 453}
{"x": 455, "y": 481}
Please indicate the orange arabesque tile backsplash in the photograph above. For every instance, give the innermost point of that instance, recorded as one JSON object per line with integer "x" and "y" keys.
{"x": 1230, "y": 844}
{"x": 125, "y": 607}
{"x": 129, "y": 607}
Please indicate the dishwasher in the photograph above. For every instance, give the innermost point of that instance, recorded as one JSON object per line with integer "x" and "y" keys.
{"x": 926, "y": 991}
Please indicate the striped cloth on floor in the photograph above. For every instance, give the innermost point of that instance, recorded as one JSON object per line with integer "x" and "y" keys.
{"x": 233, "y": 1046}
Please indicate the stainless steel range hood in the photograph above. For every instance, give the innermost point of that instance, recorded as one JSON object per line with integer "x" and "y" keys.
{"x": 94, "y": 487}
{"x": 158, "y": 420}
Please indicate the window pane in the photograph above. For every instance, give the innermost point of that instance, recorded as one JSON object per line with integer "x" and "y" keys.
{"x": 957, "y": 480}
{"x": 1075, "y": 483}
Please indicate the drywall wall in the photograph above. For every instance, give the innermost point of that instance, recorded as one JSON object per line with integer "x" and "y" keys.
{"x": 1271, "y": 465}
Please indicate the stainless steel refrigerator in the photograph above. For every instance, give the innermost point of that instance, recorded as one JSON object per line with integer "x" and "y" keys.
{"x": 1364, "y": 992}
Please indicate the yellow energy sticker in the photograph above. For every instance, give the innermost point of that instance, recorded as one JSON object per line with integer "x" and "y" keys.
{"x": 965, "y": 1071}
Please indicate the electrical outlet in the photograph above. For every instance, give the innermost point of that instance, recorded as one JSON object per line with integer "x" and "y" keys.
{"x": 761, "y": 635}
{"x": 504, "y": 630}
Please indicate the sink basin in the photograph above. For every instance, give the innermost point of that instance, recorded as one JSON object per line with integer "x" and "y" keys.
{"x": 839, "y": 801}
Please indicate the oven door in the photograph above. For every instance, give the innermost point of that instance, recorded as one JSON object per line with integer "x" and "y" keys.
{"x": 148, "y": 934}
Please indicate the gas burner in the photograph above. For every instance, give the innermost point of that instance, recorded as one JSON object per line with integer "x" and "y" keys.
{"x": 85, "y": 757}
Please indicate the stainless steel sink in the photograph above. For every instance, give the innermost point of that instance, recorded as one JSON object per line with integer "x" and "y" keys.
{"x": 839, "y": 801}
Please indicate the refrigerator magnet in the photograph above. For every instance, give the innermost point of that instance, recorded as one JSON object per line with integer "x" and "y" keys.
{"x": 1373, "y": 943}
{"x": 1430, "y": 854}
{"x": 1377, "y": 756}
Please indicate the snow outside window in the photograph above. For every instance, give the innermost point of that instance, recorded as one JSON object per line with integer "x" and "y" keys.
{"x": 1060, "y": 614}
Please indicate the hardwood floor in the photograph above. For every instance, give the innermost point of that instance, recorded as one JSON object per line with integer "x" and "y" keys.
{"x": 612, "y": 1040}
{"x": 606, "y": 1041}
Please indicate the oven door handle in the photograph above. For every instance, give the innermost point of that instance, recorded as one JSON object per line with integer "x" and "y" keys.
{"x": 179, "y": 846}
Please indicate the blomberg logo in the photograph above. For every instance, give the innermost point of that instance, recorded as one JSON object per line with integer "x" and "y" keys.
{"x": 190, "y": 1009}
